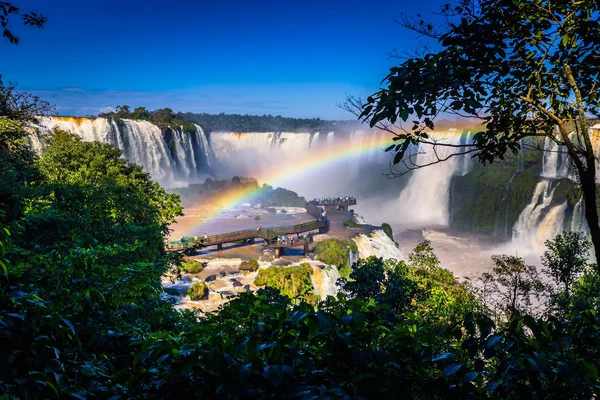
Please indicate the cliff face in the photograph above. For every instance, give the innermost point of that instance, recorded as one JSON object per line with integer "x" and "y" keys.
{"x": 508, "y": 198}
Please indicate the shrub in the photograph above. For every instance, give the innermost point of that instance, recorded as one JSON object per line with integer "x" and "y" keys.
{"x": 284, "y": 211}
{"x": 193, "y": 267}
{"x": 351, "y": 223}
{"x": 198, "y": 291}
{"x": 387, "y": 229}
{"x": 257, "y": 218}
{"x": 250, "y": 265}
{"x": 335, "y": 251}
{"x": 271, "y": 210}
{"x": 290, "y": 281}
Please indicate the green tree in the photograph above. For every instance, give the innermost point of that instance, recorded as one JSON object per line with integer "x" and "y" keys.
{"x": 566, "y": 258}
{"x": 88, "y": 191}
{"x": 512, "y": 284}
{"x": 9, "y": 10}
{"x": 522, "y": 68}
{"x": 141, "y": 113}
{"x": 423, "y": 256}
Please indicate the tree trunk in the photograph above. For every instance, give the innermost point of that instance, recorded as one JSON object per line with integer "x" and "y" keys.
{"x": 588, "y": 187}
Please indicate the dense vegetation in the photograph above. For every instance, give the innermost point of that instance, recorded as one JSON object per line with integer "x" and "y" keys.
{"x": 335, "y": 252}
{"x": 293, "y": 281}
{"x": 164, "y": 118}
{"x": 489, "y": 199}
{"x": 81, "y": 313}
{"x": 520, "y": 69}
{"x": 249, "y": 265}
{"x": 198, "y": 291}
{"x": 266, "y": 123}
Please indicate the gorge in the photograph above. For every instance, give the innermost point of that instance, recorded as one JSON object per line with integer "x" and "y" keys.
{"x": 524, "y": 199}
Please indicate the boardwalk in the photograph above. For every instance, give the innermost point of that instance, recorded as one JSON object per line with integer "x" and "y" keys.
{"x": 270, "y": 235}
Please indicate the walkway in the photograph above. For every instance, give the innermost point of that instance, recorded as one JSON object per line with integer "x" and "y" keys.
{"x": 270, "y": 235}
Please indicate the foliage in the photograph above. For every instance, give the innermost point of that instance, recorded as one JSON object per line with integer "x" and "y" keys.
{"x": 293, "y": 282}
{"x": 423, "y": 256}
{"x": 522, "y": 68}
{"x": 21, "y": 106}
{"x": 249, "y": 265}
{"x": 566, "y": 258}
{"x": 87, "y": 190}
{"x": 9, "y": 10}
{"x": 198, "y": 291}
{"x": 351, "y": 223}
{"x": 193, "y": 266}
{"x": 265, "y": 123}
{"x": 420, "y": 289}
{"x": 387, "y": 229}
{"x": 164, "y": 118}
{"x": 511, "y": 285}
{"x": 334, "y": 251}
{"x": 257, "y": 218}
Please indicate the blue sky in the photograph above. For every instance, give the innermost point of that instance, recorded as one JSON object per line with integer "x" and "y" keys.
{"x": 294, "y": 58}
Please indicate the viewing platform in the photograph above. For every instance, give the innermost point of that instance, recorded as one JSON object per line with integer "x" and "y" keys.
{"x": 277, "y": 238}
{"x": 334, "y": 203}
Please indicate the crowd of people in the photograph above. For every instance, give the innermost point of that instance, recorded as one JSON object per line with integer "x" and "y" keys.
{"x": 334, "y": 200}
{"x": 292, "y": 239}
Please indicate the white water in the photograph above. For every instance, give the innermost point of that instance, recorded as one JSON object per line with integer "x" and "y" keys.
{"x": 424, "y": 202}
{"x": 324, "y": 280}
{"x": 183, "y": 159}
{"x": 539, "y": 221}
{"x": 377, "y": 244}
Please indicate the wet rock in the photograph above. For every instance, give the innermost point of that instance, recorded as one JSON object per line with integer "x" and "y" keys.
{"x": 237, "y": 284}
{"x": 227, "y": 293}
{"x": 246, "y": 288}
{"x": 223, "y": 274}
{"x": 210, "y": 278}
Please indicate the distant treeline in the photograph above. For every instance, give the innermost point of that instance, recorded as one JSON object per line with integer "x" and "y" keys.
{"x": 165, "y": 117}
{"x": 266, "y": 123}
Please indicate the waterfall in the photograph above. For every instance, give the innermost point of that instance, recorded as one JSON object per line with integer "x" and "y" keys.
{"x": 377, "y": 244}
{"x": 183, "y": 158}
{"x": 324, "y": 279}
{"x": 539, "y": 221}
{"x": 555, "y": 162}
{"x": 578, "y": 222}
{"x": 425, "y": 199}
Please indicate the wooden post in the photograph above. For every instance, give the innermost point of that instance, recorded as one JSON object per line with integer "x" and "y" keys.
{"x": 251, "y": 240}
{"x": 219, "y": 246}
{"x": 305, "y": 248}
{"x": 278, "y": 252}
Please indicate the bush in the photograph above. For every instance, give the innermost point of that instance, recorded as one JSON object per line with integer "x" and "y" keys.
{"x": 193, "y": 267}
{"x": 198, "y": 291}
{"x": 284, "y": 211}
{"x": 351, "y": 223}
{"x": 335, "y": 251}
{"x": 272, "y": 210}
{"x": 257, "y": 218}
{"x": 250, "y": 265}
{"x": 387, "y": 229}
{"x": 290, "y": 281}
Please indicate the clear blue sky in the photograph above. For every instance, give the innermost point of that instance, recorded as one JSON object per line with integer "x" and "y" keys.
{"x": 294, "y": 58}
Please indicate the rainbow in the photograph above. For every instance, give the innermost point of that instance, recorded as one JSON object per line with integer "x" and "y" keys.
{"x": 316, "y": 159}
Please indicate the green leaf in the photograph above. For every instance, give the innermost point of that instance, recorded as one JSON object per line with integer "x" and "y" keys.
{"x": 451, "y": 369}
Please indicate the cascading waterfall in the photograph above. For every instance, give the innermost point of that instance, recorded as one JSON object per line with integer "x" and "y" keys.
{"x": 425, "y": 199}
{"x": 185, "y": 157}
{"x": 324, "y": 279}
{"x": 539, "y": 221}
{"x": 555, "y": 162}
